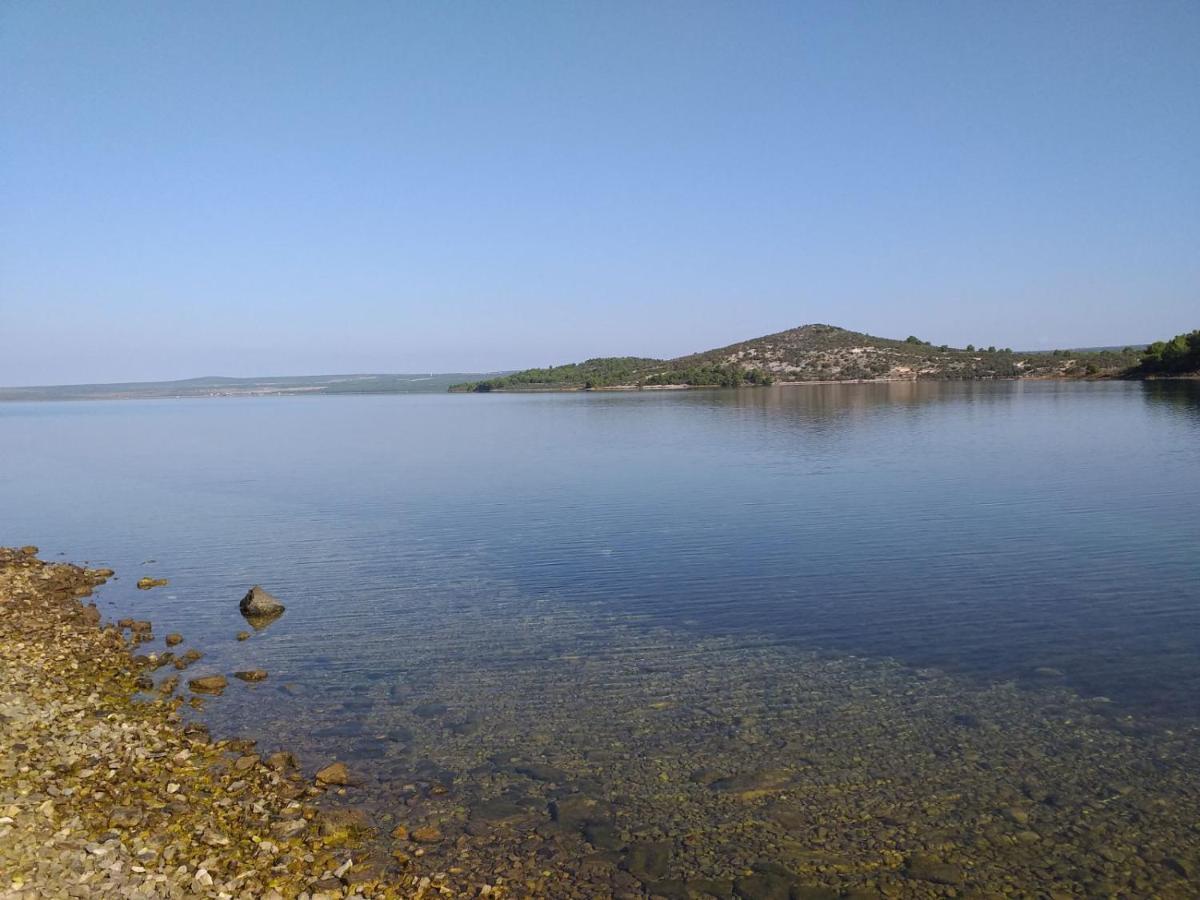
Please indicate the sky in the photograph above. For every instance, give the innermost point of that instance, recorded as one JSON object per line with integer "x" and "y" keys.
{"x": 253, "y": 188}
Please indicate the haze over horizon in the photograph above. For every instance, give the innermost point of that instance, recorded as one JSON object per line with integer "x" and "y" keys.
{"x": 265, "y": 189}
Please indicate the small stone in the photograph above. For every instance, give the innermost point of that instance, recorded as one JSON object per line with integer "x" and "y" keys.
{"x": 426, "y": 834}
{"x": 282, "y": 761}
{"x": 335, "y": 773}
{"x": 145, "y": 583}
{"x": 247, "y": 762}
{"x": 243, "y": 635}
{"x": 1020, "y": 816}
{"x": 289, "y": 828}
{"x": 174, "y": 638}
{"x": 251, "y": 675}
{"x": 124, "y": 817}
{"x": 400, "y": 833}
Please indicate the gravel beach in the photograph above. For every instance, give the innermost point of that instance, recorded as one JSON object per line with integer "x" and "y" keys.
{"x": 106, "y": 792}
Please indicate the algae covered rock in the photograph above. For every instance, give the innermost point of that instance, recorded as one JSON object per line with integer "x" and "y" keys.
{"x": 145, "y": 583}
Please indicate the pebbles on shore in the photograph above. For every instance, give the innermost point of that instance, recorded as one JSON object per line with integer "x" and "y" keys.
{"x": 102, "y": 795}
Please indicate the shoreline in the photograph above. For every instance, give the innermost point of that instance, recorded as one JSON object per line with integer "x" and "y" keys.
{"x": 580, "y": 389}
{"x": 104, "y": 793}
{"x": 633, "y": 388}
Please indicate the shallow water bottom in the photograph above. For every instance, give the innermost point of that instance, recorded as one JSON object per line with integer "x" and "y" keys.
{"x": 574, "y": 754}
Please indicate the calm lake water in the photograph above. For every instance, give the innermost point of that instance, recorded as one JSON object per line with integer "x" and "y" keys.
{"x": 626, "y": 588}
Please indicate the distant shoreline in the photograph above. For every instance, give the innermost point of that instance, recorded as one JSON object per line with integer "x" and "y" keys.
{"x": 629, "y": 388}
{"x": 36, "y": 395}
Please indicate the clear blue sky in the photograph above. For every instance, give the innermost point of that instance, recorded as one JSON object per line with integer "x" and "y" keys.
{"x": 265, "y": 188}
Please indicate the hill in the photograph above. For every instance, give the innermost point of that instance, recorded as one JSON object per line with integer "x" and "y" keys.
{"x": 814, "y": 353}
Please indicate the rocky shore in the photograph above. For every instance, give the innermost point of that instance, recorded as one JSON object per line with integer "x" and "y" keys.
{"x": 105, "y": 791}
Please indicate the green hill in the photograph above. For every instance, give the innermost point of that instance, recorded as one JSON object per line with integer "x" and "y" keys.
{"x": 813, "y": 353}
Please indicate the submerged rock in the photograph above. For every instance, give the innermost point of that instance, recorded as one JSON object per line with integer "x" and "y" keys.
{"x": 540, "y": 772}
{"x": 603, "y": 837}
{"x": 258, "y": 604}
{"x": 499, "y": 811}
{"x": 188, "y": 657}
{"x": 430, "y": 710}
{"x": 927, "y": 868}
{"x": 174, "y": 638}
{"x": 426, "y": 834}
{"x": 578, "y": 810}
{"x": 648, "y": 860}
{"x": 251, "y": 675}
{"x": 208, "y": 684}
{"x": 766, "y": 886}
{"x": 752, "y": 785}
{"x": 335, "y": 773}
{"x": 145, "y": 583}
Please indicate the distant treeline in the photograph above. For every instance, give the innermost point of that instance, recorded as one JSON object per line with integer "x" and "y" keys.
{"x": 622, "y": 371}
{"x": 593, "y": 373}
{"x": 1178, "y": 356}
{"x": 711, "y": 376}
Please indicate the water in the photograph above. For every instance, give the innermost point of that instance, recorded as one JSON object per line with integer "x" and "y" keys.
{"x": 629, "y": 588}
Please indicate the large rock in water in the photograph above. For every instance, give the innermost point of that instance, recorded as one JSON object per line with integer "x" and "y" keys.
{"x": 258, "y": 604}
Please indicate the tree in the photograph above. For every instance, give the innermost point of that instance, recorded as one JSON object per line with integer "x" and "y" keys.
{"x": 970, "y": 348}
{"x": 1178, "y": 356}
